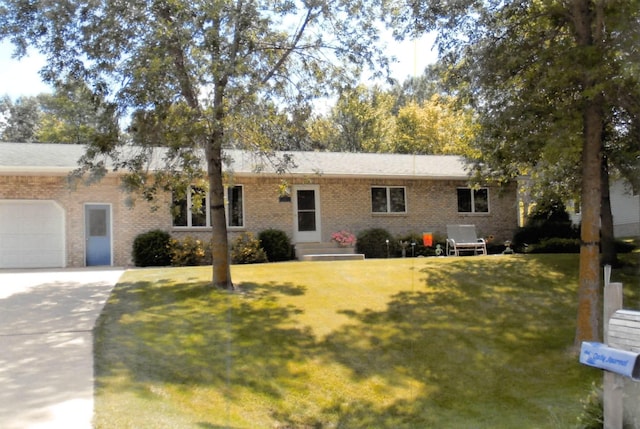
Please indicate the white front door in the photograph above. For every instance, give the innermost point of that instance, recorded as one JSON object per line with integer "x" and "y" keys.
{"x": 306, "y": 211}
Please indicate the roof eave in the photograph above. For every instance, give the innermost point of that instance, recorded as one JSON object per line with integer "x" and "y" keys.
{"x": 350, "y": 176}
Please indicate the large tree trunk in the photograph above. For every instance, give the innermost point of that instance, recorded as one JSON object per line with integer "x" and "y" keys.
{"x": 219, "y": 241}
{"x": 588, "y": 33}
{"x": 589, "y": 308}
{"x": 609, "y": 254}
{"x": 213, "y": 152}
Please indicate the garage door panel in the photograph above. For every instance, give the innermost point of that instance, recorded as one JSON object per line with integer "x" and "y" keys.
{"x": 31, "y": 234}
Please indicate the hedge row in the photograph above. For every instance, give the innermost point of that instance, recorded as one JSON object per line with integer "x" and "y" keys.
{"x": 157, "y": 248}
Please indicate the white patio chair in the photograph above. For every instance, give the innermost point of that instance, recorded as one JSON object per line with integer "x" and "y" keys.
{"x": 464, "y": 238}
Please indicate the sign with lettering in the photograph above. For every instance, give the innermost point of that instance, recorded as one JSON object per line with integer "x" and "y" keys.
{"x": 601, "y": 356}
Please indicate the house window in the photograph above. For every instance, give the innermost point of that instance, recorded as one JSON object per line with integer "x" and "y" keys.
{"x": 473, "y": 200}
{"x": 191, "y": 212}
{"x": 388, "y": 199}
{"x": 235, "y": 206}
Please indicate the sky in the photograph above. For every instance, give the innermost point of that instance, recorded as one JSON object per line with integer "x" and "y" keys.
{"x": 21, "y": 78}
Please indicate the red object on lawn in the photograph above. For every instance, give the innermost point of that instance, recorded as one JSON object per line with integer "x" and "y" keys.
{"x": 427, "y": 239}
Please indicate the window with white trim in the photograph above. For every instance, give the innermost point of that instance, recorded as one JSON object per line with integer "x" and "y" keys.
{"x": 473, "y": 200}
{"x": 388, "y": 199}
{"x": 191, "y": 212}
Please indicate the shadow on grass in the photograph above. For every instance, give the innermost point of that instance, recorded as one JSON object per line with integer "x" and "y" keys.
{"x": 190, "y": 334}
{"x": 477, "y": 341}
{"x": 483, "y": 339}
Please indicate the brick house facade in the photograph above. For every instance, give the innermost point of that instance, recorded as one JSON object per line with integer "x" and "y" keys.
{"x": 33, "y": 177}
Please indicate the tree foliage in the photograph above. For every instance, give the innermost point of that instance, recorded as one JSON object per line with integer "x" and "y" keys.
{"x": 555, "y": 87}
{"x": 362, "y": 121}
{"x": 72, "y": 114}
{"x": 19, "y": 119}
{"x": 436, "y": 126}
{"x": 190, "y": 71}
{"x": 407, "y": 118}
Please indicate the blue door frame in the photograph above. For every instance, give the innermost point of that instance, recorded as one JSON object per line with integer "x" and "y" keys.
{"x": 97, "y": 226}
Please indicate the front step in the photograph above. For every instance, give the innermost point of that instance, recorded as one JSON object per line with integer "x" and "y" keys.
{"x": 325, "y": 251}
{"x": 334, "y": 257}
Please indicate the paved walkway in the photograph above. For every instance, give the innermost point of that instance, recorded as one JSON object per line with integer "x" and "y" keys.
{"x": 46, "y": 346}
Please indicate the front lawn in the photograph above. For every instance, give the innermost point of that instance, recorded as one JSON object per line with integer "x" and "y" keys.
{"x": 473, "y": 342}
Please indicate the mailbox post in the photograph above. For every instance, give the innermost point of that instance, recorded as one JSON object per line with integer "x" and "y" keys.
{"x": 619, "y": 357}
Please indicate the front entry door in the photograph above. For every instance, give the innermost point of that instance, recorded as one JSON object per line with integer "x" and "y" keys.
{"x": 97, "y": 218}
{"x": 306, "y": 207}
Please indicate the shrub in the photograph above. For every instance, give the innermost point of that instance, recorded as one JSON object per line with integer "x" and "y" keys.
{"x": 151, "y": 249}
{"x": 276, "y": 244}
{"x": 246, "y": 249}
{"x": 189, "y": 252}
{"x": 625, "y": 246}
{"x": 373, "y": 243}
{"x": 556, "y": 245}
{"x": 549, "y": 220}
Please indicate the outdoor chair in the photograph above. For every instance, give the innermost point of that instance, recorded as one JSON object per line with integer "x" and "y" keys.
{"x": 464, "y": 238}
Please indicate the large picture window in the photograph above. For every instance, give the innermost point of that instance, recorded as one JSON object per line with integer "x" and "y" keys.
{"x": 191, "y": 211}
{"x": 388, "y": 199}
{"x": 473, "y": 200}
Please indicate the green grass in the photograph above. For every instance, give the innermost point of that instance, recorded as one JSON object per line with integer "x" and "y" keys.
{"x": 476, "y": 342}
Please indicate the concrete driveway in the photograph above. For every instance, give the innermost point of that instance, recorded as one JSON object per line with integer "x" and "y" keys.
{"x": 46, "y": 346}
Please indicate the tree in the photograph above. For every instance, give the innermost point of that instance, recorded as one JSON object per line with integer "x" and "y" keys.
{"x": 20, "y": 119}
{"x": 187, "y": 70}
{"x": 363, "y": 120}
{"x": 545, "y": 77}
{"x": 72, "y": 114}
{"x": 420, "y": 89}
{"x": 435, "y": 126}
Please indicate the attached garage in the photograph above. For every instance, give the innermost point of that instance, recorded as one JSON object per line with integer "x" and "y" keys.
{"x": 31, "y": 234}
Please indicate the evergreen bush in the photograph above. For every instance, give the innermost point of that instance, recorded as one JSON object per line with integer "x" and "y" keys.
{"x": 549, "y": 220}
{"x": 373, "y": 243}
{"x": 276, "y": 244}
{"x": 151, "y": 249}
{"x": 556, "y": 245}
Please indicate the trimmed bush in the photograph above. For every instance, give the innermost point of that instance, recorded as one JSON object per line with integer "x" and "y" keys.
{"x": 189, "y": 252}
{"x": 246, "y": 249}
{"x": 623, "y": 246}
{"x": 373, "y": 243}
{"x": 276, "y": 244}
{"x": 151, "y": 249}
{"x": 556, "y": 245}
{"x": 549, "y": 220}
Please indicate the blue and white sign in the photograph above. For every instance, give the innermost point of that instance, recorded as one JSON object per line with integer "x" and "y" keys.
{"x": 604, "y": 357}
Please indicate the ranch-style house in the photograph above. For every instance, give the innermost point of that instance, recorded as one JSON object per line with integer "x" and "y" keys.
{"x": 46, "y": 223}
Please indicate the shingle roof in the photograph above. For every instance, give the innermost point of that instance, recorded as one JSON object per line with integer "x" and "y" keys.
{"x": 31, "y": 158}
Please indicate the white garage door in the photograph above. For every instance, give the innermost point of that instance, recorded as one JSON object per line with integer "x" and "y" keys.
{"x": 31, "y": 234}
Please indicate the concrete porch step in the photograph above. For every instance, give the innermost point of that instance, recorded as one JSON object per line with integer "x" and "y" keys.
{"x": 333, "y": 257}
{"x": 324, "y": 251}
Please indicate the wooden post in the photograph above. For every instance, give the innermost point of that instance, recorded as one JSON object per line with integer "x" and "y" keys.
{"x": 613, "y": 387}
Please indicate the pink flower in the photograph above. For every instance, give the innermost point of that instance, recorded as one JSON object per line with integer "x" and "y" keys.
{"x": 344, "y": 238}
